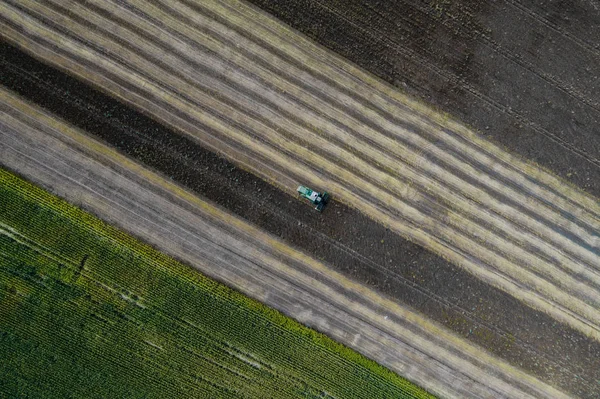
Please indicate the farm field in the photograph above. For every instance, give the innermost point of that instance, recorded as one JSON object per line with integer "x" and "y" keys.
{"x": 524, "y": 73}
{"x": 85, "y": 172}
{"x": 366, "y": 252}
{"x": 418, "y": 173}
{"x": 82, "y": 304}
{"x": 428, "y": 214}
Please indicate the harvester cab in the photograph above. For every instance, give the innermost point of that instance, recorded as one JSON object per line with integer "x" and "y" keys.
{"x": 318, "y": 199}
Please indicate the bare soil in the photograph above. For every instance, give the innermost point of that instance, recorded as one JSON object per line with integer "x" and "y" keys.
{"x": 348, "y": 241}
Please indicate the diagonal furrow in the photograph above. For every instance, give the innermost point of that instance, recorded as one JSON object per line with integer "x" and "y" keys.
{"x": 582, "y": 42}
{"x": 301, "y": 135}
{"x": 479, "y": 35}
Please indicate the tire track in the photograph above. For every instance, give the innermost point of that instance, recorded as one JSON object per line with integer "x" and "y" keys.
{"x": 575, "y": 39}
{"x": 373, "y": 191}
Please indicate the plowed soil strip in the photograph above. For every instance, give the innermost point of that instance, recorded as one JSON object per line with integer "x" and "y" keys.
{"x": 86, "y": 172}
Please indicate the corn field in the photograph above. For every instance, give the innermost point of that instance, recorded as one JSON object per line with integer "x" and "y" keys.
{"x": 87, "y": 311}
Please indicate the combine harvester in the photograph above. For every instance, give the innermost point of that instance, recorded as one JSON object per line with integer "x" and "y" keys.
{"x": 318, "y": 199}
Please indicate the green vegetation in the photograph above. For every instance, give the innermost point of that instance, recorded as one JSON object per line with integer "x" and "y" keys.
{"x": 87, "y": 311}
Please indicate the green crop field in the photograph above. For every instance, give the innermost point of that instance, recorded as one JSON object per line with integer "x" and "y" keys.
{"x": 87, "y": 311}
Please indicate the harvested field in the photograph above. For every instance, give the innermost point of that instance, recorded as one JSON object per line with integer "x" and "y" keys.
{"x": 238, "y": 83}
{"x": 365, "y": 252}
{"x": 326, "y": 123}
{"x": 228, "y": 249}
{"x": 87, "y": 311}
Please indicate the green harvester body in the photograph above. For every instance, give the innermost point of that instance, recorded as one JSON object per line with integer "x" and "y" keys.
{"x": 318, "y": 199}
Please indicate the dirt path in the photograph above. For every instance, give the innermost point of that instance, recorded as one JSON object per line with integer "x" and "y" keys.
{"x": 89, "y": 174}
